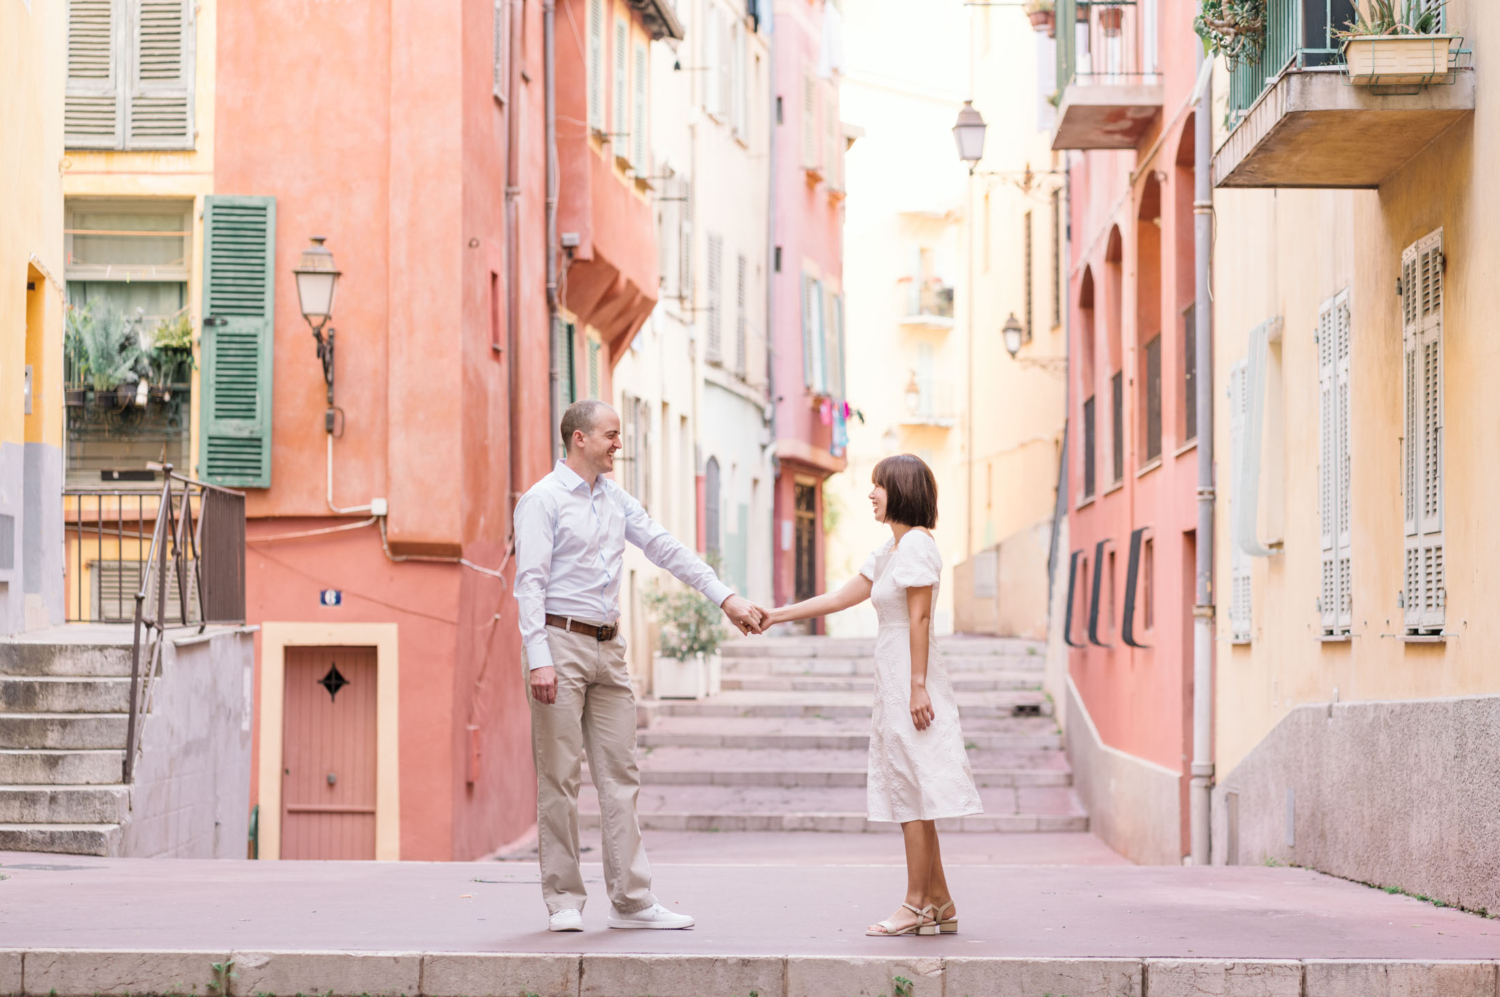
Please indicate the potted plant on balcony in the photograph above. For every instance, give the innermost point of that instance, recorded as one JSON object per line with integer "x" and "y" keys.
{"x": 1111, "y": 17}
{"x": 686, "y": 664}
{"x": 1390, "y": 46}
{"x": 169, "y": 355}
{"x": 1043, "y": 16}
{"x": 1235, "y": 29}
{"x": 102, "y": 352}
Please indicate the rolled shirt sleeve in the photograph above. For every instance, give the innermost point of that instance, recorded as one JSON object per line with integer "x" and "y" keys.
{"x": 536, "y": 523}
{"x": 665, "y": 551}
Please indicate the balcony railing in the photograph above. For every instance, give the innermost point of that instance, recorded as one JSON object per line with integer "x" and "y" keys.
{"x": 930, "y": 298}
{"x": 1300, "y": 34}
{"x": 1108, "y": 76}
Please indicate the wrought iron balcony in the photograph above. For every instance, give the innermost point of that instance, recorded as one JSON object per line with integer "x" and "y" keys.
{"x": 1297, "y": 120}
{"x": 1109, "y": 86}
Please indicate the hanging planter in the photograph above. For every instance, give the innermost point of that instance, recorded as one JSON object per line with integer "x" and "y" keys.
{"x": 1235, "y": 29}
{"x": 1043, "y": 16}
{"x": 1110, "y": 19}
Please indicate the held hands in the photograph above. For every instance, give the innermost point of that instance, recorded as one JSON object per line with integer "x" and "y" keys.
{"x": 921, "y": 707}
{"x": 746, "y": 617}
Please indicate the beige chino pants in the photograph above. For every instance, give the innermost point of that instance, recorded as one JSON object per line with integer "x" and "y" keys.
{"x": 594, "y": 713}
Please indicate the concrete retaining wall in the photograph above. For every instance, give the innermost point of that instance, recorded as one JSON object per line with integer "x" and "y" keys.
{"x": 191, "y": 797}
{"x": 1011, "y": 600}
{"x": 1133, "y": 804}
{"x": 376, "y": 974}
{"x": 1399, "y": 794}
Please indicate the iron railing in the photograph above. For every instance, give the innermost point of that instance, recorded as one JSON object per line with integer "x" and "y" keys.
{"x": 196, "y": 558}
{"x": 1300, "y": 34}
{"x": 1107, "y": 42}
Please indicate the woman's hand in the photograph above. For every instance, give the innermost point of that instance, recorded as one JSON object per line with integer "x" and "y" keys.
{"x": 921, "y": 707}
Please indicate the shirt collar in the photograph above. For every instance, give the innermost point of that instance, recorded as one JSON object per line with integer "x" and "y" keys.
{"x": 569, "y": 478}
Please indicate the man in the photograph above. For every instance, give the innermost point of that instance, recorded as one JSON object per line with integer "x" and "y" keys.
{"x": 571, "y": 529}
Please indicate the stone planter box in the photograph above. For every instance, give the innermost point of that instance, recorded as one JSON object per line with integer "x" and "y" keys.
{"x": 1399, "y": 60}
{"x": 692, "y": 678}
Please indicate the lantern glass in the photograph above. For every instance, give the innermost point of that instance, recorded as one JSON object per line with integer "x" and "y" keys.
{"x": 1012, "y": 332}
{"x": 913, "y": 394}
{"x": 317, "y": 280}
{"x": 968, "y": 133}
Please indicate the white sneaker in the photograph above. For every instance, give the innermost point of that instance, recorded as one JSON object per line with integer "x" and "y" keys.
{"x": 566, "y": 919}
{"x": 655, "y": 916}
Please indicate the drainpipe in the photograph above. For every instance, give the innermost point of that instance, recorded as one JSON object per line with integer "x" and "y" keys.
{"x": 549, "y": 76}
{"x": 1203, "y": 608}
{"x": 513, "y": 247}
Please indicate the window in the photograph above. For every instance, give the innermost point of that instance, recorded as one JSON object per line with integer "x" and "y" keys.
{"x": 714, "y": 349}
{"x": 635, "y": 448}
{"x": 1057, "y": 246}
{"x": 1117, "y": 426}
{"x": 129, "y": 348}
{"x": 836, "y": 381}
{"x": 498, "y": 62}
{"x": 593, "y": 367}
{"x": 813, "y": 369}
{"x": 833, "y": 157}
{"x": 1239, "y": 560}
{"x": 734, "y": 79}
{"x": 620, "y": 127}
{"x": 1425, "y": 597}
{"x": 130, "y": 75}
{"x": 1190, "y": 373}
{"x": 741, "y": 325}
{"x": 1153, "y": 397}
{"x": 1335, "y": 600}
{"x": 638, "y": 135}
{"x": 1026, "y": 276}
{"x": 711, "y": 542}
{"x": 685, "y": 241}
{"x": 596, "y": 65}
{"x": 1088, "y": 448}
{"x": 713, "y": 61}
{"x": 1112, "y": 623}
{"x": 1148, "y": 582}
{"x": 497, "y": 315}
{"x": 810, "y": 122}
{"x": 568, "y": 376}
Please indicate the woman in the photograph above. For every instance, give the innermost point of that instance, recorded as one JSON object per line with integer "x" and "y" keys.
{"x": 919, "y": 773}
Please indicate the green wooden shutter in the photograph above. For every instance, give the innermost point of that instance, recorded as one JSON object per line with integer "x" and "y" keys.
{"x": 239, "y": 284}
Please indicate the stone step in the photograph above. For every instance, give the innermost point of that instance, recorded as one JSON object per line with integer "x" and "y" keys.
{"x": 63, "y": 804}
{"x": 740, "y": 808}
{"x": 68, "y": 839}
{"x": 61, "y": 768}
{"x": 962, "y": 682}
{"x": 842, "y": 733}
{"x": 855, "y": 647}
{"x": 842, "y": 778}
{"x": 81, "y": 659}
{"x": 64, "y": 695}
{"x": 865, "y": 665}
{"x": 742, "y": 703}
{"x": 62, "y": 730}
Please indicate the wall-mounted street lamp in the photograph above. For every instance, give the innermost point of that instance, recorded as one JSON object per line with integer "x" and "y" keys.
{"x": 317, "y": 280}
{"x": 968, "y": 132}
{"x": 1013, "y": 333}
{"x": 913, "y": 394}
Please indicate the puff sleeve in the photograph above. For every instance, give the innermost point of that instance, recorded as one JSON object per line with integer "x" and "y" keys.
{"x": 918, "y": 564}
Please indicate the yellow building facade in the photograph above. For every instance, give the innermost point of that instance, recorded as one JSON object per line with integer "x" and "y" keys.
{"x": 32, "y": 39}
{"x": 1356, "y": 709}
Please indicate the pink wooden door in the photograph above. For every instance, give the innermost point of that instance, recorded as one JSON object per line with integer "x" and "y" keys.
{"x": 328, "y": 754}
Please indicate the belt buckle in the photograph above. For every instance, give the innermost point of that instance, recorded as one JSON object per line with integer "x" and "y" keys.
{"x": 606, "y": 633}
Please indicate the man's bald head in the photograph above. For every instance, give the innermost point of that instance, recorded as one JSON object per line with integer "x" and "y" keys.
{"x": 583, "y": 416}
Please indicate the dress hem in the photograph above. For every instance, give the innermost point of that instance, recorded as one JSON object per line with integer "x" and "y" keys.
{"x": 946, "y": 816}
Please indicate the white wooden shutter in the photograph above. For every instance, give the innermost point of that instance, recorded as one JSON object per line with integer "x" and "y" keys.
{"x": 638, "y": 134}
{"x": 809, "y": 121}
{"x": 1422, "y": 334}
{"x": 724, "y": 69}
{"x": 498, "y": 61}
{"x": 1327, "y": 468}
{"x": 1341, "y": 478}
{"x": 620, "y": 127}
{"x": 159, "y": 113}
{"x": 1239, "y": 561}
{"x": 596, "y": 65}
{"x": 715, "y": 347}
{"x": 93, "y": 112}
{"x": 712, "y": 57}
{"x": 685, "y": 240}
{"x": 741, "y": 327}
{"x": 737, "y": 96}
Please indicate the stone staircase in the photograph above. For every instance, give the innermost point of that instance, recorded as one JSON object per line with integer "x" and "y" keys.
{"x": 63, "y": 707}
{"x": 783, "y": 746}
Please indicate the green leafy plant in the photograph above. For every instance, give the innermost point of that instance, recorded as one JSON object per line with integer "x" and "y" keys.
{"x": 223, "y": 971}
{"x": 1387, "y": 17}
{"x": 170, "y": 355}
{"x": 103, "y": 350}
{"x": 1039, "y": 6}
{"x": 689, "y": 623}
{"x": 1235, "y": 29}
{"x": 903, "y": 986}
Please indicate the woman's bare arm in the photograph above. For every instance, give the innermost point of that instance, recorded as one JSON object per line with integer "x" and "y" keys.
{"x": 919, "y": 613}
{"x": 855, "y": 591}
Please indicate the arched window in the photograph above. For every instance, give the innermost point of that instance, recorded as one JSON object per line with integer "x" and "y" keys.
{"x": 1088, "y": 414}
{"x": 1114, "y": 316}
{"x": 1148, "y": 317}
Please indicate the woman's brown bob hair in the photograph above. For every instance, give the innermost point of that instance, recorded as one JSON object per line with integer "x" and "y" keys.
{"x": 910, "y": 490}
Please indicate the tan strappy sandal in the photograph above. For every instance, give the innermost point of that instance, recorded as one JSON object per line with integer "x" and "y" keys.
{"x": 926, "y": 924}
{"x": 946, "y": 925}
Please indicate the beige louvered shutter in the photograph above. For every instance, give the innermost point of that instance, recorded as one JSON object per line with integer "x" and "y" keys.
{"x": 638, "y": 133}
{"x": 1239, "y": 561}
{"x": 93, "y": 111}
{"x": 1327, "y": 470}
{"x": 620, "y": 126}
{"x": 239, "y": 294}
{"x": 159, "y": 114}
{"x": 1344, "y": 538}
{"x": 714, "y": 350}
{"x": 809, "y": 122}
{"x": 596, "y": 65}
{"x": 685, "y": 241}
{"x": 1422, "y": 466}
{"x": 498, "y": 57}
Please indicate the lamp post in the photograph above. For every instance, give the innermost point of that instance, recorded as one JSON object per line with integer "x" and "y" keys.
{"x": 317, "y": 279}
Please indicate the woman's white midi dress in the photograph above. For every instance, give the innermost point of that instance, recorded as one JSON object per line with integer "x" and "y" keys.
{"x": 914, "y": 775}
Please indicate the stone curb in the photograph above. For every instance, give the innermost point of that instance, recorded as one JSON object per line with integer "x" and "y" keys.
{"x": 116, "y": 973}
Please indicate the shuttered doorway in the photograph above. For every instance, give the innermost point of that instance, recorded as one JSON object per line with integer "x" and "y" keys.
{"x": 328, "y": 754}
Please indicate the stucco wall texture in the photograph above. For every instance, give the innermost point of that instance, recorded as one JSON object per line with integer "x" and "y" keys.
{"x": 1397, "y": 794}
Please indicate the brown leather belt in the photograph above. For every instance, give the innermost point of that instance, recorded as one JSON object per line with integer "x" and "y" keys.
{"x": 601, "y": 634}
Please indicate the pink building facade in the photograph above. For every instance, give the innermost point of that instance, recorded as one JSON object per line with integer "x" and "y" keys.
{"x": 807, "y": 305}
{"x": 1125, "y": 118}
